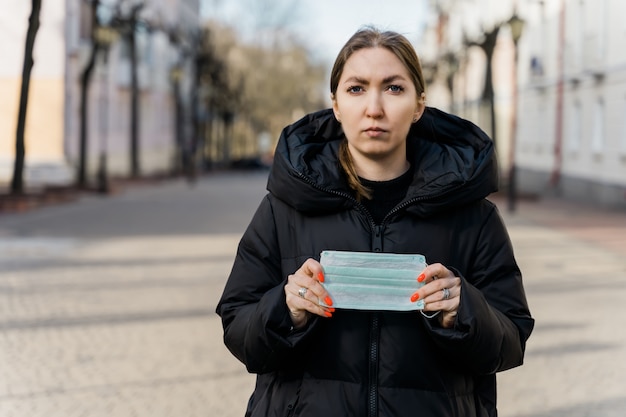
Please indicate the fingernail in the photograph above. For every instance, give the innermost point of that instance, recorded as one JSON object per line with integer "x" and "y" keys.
{"x": 331, "y": 309}
{"x": 328, "y": 314}
{"x": 320, "y": 277}
{"x": 328, "y": 301}
{"x": 415, "y": 297}
{"x": 421, "y": 278}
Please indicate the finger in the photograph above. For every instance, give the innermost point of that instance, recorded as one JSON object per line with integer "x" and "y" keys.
{"x": 437, "y": 271}
{"x": 310, "y": 288}
{"x": 313, "y": 268}
{"x": 311, "y": 273}
{"x": 316, "y": 293}
{"x": 308, "y": 303}
{"x": 433, "y": 289}
{"x": 447, "y": 299}
{"x": 444, "y": 294}
{"x": 429, "y": 274}
{"x": 305, "y": 288}
{"x": 439, "y": 288}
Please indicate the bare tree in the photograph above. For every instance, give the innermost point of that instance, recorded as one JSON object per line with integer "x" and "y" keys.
{"x": 17, "y": 183}
{"x": 488, "y": 45}
{"x": 263, "y": 86}
{"x": 132, "y": 21}
{"x": 85, "y": 81}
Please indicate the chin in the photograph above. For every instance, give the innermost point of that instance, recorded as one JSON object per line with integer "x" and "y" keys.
{"x": 378, "y": 154}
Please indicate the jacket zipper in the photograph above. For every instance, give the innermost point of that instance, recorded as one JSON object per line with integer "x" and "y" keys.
{"x": 377, "y": 239}
{"x": 373, "y": 367}
{"x": 417, "y": 199}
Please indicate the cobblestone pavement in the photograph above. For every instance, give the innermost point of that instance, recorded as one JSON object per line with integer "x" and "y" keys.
{"x": 107, "y": 306}
{"x": 574, "y": 263}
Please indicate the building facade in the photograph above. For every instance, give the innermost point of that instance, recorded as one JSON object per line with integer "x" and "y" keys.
{"x": 44, "y": 134}
{"x": 164, "y": 32}
{"x": 573, "y": 101}
{"x": 559, "y": 92}
{"x": 133, "y": 103}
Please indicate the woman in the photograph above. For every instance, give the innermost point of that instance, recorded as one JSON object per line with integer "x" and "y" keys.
{"x": 380, "y": 172}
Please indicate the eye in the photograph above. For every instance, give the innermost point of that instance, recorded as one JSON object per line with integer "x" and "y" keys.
{"x": 355, "y": 89}
{"x": 395, "y": 88}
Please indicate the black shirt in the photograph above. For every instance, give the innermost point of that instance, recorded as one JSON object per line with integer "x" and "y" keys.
{"x": 386, "y": 194}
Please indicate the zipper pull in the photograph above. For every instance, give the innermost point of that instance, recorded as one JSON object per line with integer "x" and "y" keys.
{"x": 377, "y": 239}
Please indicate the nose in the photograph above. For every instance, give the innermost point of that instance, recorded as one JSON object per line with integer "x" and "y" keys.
{"x": 374, "y": 106}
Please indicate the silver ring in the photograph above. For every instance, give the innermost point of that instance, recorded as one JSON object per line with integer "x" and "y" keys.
{"x": 302, "y": 291}
{"x": 446, "y": 293}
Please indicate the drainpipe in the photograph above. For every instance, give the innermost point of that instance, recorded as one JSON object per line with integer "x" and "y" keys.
{"x": 558, "y": 140}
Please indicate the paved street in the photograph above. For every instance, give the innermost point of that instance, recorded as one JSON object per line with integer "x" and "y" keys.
{"x": 107, "y": 305}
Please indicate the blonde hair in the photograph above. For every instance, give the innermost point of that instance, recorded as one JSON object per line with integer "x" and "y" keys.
{"x": 345, "y": 159}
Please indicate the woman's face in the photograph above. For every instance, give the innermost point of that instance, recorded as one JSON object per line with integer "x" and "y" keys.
{"x": 376, "y": 102}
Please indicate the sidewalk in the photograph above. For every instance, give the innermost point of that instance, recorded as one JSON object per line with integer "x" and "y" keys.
{"x": 107, "y": 305}
{"x": 601, "y": 226}
{"x": 573, "y": 258}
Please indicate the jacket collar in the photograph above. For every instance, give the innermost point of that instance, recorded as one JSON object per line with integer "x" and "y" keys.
{"x": 454, "y": 164}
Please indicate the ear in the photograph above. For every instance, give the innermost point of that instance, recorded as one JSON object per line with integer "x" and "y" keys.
{"x": 335, "y": 108}
{"x": 419, "y": 108}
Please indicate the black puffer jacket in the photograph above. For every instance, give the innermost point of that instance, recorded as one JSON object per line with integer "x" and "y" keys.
{"x": 378, "y": 363}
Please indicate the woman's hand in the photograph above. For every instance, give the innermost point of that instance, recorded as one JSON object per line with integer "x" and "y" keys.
{"x": 441, "y": 292}
{"x": 303, "y": 292}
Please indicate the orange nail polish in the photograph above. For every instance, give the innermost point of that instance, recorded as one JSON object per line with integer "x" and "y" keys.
{"x": 331, "y": 309}
{"x": 328, "y": 301}
{"x": 415, "y": 297}
{"x": 328, "y": 314}
{"x": 320, "y": 277}
{"x": 421, "y": 278}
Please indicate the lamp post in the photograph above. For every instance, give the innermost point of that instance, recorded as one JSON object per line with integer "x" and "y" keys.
{"x": 516, "y": 24}
{"x": 176, "y": 75}
{"x": 105, "y": 36}
{"x": 452, "y": 62}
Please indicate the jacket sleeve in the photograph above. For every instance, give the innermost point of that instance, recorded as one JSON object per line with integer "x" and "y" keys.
{"x": 255, "y": 317}
{"x": 493, "y": 320}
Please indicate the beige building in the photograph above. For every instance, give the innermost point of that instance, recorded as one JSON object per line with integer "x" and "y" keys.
{"x": 44, "y": 136}
{"x": 62, "y": 50}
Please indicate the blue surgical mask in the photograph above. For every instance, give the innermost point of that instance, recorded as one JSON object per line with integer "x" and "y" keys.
{"x": 372, "y": 281}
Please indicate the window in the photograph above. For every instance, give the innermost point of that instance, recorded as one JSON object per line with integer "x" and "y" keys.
{"x": 622, "y": 147}
{"x": 597, "y": 138}
{"x": 574, "y": 138}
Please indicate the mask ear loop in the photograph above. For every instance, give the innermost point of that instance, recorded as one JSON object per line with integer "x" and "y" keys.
{"x": 432, "y": 316}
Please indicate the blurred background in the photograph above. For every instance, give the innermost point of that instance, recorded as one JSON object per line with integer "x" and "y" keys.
{"x": 135, "y": 141}
{"x": 145, "y": 88}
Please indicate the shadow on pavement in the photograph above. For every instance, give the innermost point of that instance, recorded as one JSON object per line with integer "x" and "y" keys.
{"x": 604, "y": 408}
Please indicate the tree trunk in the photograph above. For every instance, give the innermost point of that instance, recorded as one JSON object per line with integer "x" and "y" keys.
{"x": 135, "y": 169}
{"x": 17, "y": 183}
{"x": 489, "y": 46}
{"x": 85, "y": 81}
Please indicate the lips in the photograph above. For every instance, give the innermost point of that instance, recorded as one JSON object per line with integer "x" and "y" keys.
{"x": 374, "y": 132}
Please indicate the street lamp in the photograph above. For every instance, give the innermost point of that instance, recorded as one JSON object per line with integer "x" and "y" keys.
{"x": 176, "y": 75}
{"x": 104, "y": 36}
{"x": 516, "y": 25}
{"x": 453, "y": 64}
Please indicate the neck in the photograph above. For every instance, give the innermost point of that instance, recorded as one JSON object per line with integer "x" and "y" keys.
{"x": 380, "y": 170}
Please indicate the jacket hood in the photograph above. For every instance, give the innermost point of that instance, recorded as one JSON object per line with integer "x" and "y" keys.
{"x": 453, "y": 160}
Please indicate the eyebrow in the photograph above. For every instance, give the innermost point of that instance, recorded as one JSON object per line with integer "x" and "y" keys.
{"x": 386, "y": 80}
